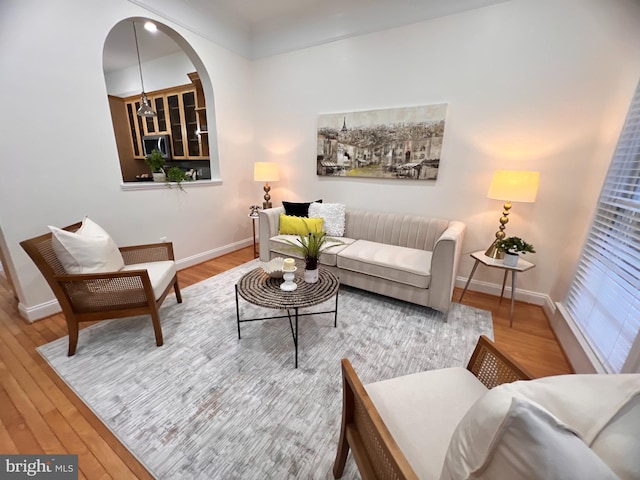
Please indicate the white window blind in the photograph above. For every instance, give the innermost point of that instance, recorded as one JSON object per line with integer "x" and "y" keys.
{"x": 603, "y": 297}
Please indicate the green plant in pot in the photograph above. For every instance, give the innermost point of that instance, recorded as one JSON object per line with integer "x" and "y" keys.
{"x": 155, "y": 161}
{"x": 512, "y": 247}
{"x": 176, "y": 174}
{"x": 310, "y": 246}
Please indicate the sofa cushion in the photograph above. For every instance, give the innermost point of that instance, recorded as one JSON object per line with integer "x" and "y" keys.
{"x": 399, "y": 264}
{"x": 585, "y": 403}
{"x": 618, "y": 444}
{"x": 299, "y": 225}
{"x": 531, "y": 444}
{"x": 297, "y": 209}
{"x": 333, "y": 215}
{"x": 160, "y": 274}
{"x": 328, "y": 257}
{"x": 422, "y": 410}
{"x": 88, "y": 250}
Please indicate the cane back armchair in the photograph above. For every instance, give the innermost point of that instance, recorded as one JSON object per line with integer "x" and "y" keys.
{"x": 100, "y": 296}
{"x": 364, "y": 432}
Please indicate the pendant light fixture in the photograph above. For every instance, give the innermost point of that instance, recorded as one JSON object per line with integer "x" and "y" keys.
{"x": 145, "y": 109}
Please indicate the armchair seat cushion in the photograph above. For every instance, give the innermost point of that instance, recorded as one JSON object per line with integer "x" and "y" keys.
{"x": 410, "y": 266}
{"x": 422, "y": 410}
{"x": 160, "y": 273}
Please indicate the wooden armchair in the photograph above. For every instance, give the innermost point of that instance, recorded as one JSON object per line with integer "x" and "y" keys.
{"x": 363, "y": 430}
{"x": 101, "y": 296}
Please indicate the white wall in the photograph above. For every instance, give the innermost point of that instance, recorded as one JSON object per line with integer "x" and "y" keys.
{"x": 531, "y": 84}
{"x": 165, "y": 72}
{"x": 61, "y": 163}
{"x": 534, "y": 85}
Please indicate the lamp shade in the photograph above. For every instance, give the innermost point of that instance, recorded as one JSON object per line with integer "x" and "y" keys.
{"x": 266, "y": 172}
{"x": 514, "y": 186}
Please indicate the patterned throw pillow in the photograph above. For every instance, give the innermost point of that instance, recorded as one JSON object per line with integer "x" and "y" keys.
{"x": 333, "y": 215}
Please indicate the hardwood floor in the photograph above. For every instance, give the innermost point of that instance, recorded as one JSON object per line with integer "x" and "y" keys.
{"x": 40, "y": 414}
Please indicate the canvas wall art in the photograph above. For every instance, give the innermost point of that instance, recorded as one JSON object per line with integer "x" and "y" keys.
{"x": 400, "y": 143}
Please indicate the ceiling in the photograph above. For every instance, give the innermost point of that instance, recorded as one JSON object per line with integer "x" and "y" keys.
{"x": 260, "y": 28}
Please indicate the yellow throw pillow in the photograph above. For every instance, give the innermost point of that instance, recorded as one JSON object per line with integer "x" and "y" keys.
{"x": 299, "y": 225}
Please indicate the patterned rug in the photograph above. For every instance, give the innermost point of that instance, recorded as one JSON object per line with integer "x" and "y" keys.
{"x": 209, "y": 406}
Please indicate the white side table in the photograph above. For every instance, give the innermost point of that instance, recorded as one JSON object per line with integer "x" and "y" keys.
{"x": 522, "y": 266}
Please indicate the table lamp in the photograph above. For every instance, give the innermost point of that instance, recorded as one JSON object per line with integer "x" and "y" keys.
{"x": 511, "y": 186}
{"x": 266, "y": 172}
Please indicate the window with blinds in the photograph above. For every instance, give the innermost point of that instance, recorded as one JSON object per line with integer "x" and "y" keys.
{"x": 603, "y": 297}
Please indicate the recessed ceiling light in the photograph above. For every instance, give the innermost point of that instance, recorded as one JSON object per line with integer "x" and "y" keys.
{"x": 150, "y": 26}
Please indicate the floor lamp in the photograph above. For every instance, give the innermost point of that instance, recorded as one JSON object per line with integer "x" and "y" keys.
{"x": 266, "y": 172}
{"x": 511, "y": 186}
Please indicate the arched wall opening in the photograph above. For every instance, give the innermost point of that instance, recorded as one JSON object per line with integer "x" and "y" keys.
{"x": 178, "y": 88}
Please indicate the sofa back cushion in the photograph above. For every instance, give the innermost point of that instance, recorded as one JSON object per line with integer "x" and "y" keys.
{"x": 394, "y": 229}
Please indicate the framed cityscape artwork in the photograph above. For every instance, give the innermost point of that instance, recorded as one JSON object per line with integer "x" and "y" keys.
{"x": 400, "y": 143}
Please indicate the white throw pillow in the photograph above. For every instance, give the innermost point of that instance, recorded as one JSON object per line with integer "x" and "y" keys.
{"x": 531, "y": 444}
{"x": 88, "y": 250}
{"x": 333, "y": 215}
{"x": 585, "y": 403}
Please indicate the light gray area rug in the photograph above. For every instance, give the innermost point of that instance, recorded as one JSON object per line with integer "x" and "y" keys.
{"x": 209, "y": 406}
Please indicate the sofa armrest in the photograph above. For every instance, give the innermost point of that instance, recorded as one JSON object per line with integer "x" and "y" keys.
{"x": 269, "y": 227}
{"x": 494, "y": 367}
{"x": 444, "y": 266}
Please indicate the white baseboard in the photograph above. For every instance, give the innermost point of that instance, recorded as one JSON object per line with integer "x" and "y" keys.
{"x": 210, "y": 254}
{"x": 576, "y": 347}
{"x": 527, "y": 296}
{"x": 31, "y": 314}
{"x": 37, "y": 312}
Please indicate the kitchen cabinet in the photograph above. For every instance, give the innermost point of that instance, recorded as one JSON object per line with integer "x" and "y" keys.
{"x": 181, "y": 114}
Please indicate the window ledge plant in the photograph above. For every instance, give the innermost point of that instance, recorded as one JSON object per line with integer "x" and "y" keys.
{"x": 177, "y": 175}
{"x": 155, "y": 161}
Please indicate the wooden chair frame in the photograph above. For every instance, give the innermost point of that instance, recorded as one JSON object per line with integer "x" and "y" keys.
{"x": 102, "y": 296}
{"x": 363, "y": 431}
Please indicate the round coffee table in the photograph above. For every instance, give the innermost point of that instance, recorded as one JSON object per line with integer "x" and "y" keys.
{"x": 257, "y": 288}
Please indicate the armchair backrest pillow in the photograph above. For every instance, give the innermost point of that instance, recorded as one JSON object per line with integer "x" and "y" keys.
{"x": 591, "y": 406}
{"x": 88, "y": 250}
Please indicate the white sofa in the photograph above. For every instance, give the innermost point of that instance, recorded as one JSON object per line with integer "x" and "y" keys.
{"x": 410, "y": 258}
{"x": 459, "y": 424}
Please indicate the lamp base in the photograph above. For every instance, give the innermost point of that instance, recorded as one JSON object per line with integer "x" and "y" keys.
{"x": 266, "y": 205}
{"x": 493, "y": 252}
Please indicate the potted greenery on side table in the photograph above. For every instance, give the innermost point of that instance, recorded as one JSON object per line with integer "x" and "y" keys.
{"x": 512, "y": 247}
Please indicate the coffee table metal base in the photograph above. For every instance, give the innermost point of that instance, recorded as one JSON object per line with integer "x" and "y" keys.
{"x": 293, "y": 320}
